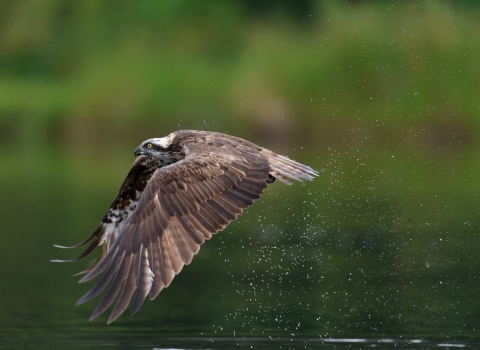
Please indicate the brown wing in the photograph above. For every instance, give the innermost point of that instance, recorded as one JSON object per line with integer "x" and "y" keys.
{"x": 280, "y": 166}
{"x": 182, "y": 205}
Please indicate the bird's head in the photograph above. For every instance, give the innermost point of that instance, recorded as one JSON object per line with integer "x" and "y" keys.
{"x": 155, "y": 148}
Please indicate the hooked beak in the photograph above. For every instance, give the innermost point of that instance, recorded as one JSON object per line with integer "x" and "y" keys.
{"x": 138, "y": 151}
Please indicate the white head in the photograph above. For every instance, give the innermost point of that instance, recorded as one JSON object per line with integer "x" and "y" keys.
{"x": 156, "y": 147}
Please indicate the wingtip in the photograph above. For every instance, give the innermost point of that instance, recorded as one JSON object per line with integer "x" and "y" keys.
{"x": 81, "y": 273}
{"x": 113, "y": 316}
{"x": 87, "y": 297}
{"x": 81, "y": 301}
{"x": 136, "y": 306}
{"x": 62, "y": 247}
{"x": 93, "y": 316}
{"x": 309, "y": 175}
{"x": 64, "y": 261}
{"x": 84, "y": 278}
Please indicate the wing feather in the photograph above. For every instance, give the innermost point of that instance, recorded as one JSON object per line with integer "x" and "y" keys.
{"x": 229, "y": 205}
{"x": 167, "y": 205}
{"x": 213, "y": 215}
{"x": 237, "y": 199}
{"x": 215, "y": 222}
{"x": 169, "y": 272}
{"x": 187, "y": 201}
{"x": 253, "y": 186}
{"x": 125, "y": 295}
{"x": 233, "y": 174}
{"x": 96, "y": 236}
{"x": 206, "y": 222}
{"x": 103, "y": 281}
{"x": 222, "y": 211}
{"x": 196, "y": 221}
{"x": 199, "y": 193}
{"x": 246, "y": 194}
{"x": 290, "y": 168}
{"x": 195, "y": 235}
{"x": 172, "y": 251}
{"x": 156, "y": 262}
{"x": 144, "y": 281}
{"x": 181, "y": 242}
{"x": 114, "y": 288}
{"x": 181, "y": 208}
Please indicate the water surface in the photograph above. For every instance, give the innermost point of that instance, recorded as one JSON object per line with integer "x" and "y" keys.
{"x": 286, "y": 274}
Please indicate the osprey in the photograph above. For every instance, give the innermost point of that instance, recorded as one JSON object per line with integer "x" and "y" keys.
{"x": 181, "y": 189}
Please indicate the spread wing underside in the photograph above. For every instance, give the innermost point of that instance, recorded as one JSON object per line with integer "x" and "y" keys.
{"x": 180, "y": 207}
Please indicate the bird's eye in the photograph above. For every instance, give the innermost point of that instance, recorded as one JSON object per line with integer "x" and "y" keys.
{"x": 149, "y": 145}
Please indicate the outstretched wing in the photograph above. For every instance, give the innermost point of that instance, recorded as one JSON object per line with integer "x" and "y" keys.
{"x": 182, "y": 205}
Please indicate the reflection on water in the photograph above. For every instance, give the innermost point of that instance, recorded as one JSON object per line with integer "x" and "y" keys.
{"x": 306, "y": 343}
{"x": 147, "y": 341}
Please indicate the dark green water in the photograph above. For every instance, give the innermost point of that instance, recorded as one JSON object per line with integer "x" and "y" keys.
{"x": 151, "y": 341}
{"x": 287, "y": 274}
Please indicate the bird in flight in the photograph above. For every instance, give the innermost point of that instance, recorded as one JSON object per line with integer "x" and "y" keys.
{"x": 181, "y": 189}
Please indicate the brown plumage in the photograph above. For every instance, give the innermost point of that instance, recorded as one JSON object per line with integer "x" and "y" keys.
{"x": 180, "y": 190}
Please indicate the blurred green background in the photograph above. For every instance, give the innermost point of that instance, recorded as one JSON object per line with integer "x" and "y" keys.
{"x": 381, "y": 97}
